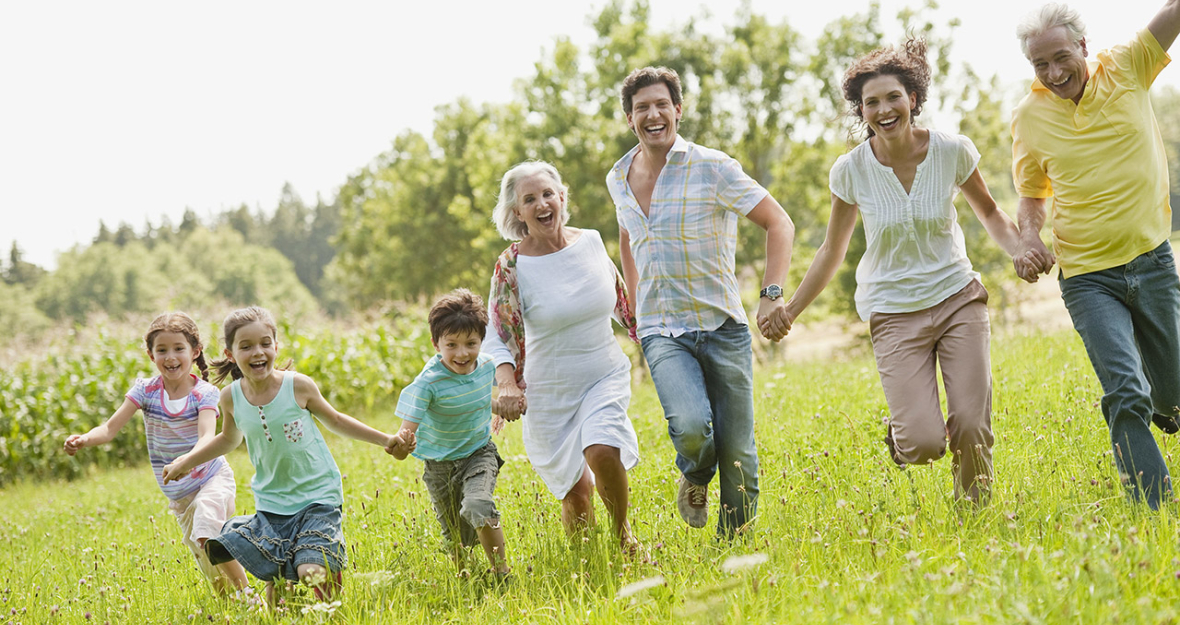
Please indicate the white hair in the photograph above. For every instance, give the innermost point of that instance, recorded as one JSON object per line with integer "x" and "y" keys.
{"x": 504, "y": 215}
{"x": 1049, "y": 16}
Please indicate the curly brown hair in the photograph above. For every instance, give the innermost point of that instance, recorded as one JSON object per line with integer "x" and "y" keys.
{"x": 907, "y": 62}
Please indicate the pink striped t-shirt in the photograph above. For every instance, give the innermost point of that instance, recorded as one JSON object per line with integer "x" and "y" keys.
{"x": 172, "y": 435}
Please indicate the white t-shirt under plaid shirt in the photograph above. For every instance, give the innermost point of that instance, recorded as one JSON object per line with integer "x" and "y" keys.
{"x": 684, "y": 249}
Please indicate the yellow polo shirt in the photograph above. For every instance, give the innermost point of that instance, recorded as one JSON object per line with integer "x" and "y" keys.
{"x": 1102, "y": 160}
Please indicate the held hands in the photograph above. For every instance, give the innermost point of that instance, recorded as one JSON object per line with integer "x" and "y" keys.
{"x": 774, "y": 321}
{"x": 74, "y": 443}
{"x": 402, "y": 444}
{"x": 1032, "y": 259}
{"x": 511, "y": 403}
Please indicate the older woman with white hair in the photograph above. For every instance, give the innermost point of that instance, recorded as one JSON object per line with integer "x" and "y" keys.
{"x": 554, "y": 292}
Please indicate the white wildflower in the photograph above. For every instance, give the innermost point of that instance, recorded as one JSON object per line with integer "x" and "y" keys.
{"x": 322, "y": 608}
{"x": 740, "y": 563}
{"x": 640, "y": 586}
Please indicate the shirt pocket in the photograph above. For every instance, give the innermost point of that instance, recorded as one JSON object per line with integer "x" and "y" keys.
{"x": 293, "y": 432}
{"x": 1121, "y": 113}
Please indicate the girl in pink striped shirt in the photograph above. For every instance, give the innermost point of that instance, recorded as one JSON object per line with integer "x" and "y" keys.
{"x": 179, "y": 410}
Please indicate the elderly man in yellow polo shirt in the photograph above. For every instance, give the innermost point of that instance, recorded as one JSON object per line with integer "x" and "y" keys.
{"x": 1087, "y": 137}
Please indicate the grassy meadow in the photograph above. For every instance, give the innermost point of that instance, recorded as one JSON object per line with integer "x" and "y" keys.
{"x": 842, "y": 535}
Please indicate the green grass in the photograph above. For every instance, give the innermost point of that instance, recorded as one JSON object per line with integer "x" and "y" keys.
{"x": 847, "y": 537}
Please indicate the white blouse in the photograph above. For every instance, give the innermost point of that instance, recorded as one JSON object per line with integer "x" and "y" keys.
{"x": 915, "y": 256}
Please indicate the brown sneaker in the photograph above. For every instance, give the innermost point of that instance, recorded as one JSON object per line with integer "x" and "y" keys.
{"x": 692, "y": 503}
{"x": 892, "y": 445}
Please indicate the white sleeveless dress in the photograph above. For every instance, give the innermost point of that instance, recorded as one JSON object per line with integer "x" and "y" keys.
{"x": 578, "y": 379}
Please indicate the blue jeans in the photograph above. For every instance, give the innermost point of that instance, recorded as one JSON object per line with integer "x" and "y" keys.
{"x": 273, "y": 546}
{"x": 1129, "y": 319}
{"x": 705, "y": 383}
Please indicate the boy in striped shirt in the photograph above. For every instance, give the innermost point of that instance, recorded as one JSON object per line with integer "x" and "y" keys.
{"x": 446, "y": 422}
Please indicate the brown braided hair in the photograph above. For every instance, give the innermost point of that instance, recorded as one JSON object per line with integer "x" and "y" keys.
{"x": 179, "y": 323}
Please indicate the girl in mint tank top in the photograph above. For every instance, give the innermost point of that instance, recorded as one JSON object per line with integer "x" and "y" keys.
{"x": 296, "y": 533}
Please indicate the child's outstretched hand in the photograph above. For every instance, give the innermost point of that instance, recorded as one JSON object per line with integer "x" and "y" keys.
{"x": 74, "y": 443}
{"x": 402, "y": 444}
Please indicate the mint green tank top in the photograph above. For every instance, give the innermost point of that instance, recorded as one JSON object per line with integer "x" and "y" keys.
{"x": 292, "y": 465}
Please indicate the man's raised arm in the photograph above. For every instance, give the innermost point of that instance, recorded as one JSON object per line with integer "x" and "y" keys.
{"x": 1166, "y": 24}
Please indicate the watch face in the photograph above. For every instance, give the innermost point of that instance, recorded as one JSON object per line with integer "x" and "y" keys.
{"x": 773, "y": 292}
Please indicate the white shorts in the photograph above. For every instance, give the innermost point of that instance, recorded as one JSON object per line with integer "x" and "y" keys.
{"x": 202, "y": 514}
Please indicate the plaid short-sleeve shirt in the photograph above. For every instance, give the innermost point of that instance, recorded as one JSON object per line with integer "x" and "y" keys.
{"x": 684, "y": 248}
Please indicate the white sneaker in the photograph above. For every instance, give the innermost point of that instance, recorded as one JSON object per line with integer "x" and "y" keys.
{"x": 692, "y": 503}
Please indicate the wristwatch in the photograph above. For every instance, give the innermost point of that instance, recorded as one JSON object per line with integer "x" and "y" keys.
{"x": 771, "y": 292}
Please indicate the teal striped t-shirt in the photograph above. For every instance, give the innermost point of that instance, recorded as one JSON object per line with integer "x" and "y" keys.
{"x": 453, "y": 411}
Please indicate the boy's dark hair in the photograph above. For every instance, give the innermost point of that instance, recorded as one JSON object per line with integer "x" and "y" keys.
{"x": 458, "y": 312}
{"x": 647, "y": 76}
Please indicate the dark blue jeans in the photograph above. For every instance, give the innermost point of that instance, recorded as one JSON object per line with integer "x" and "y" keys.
{"x": 705, "y": 383}
{"x": 1129, "y": 319}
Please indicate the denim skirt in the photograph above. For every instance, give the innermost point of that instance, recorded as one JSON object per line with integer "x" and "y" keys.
{"x": 272, "y": 546}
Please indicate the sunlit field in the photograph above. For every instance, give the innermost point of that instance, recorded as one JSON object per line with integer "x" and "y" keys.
{"x": 841, "y": 536}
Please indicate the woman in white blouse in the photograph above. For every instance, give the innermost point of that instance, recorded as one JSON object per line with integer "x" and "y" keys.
{"x": 915, "y": 286}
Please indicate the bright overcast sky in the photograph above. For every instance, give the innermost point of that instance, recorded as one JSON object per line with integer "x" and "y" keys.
{"x": 124, "y": 111}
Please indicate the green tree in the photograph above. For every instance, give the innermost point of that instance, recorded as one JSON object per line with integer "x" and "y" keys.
{"x": 242, "y": 220}
{"x": 18, "y": 271}
{"x": 104, "y": 234}
{"x": 418, "y": 220}
{"x": 188, "y": 223}
{"x": 18, "y": 313}
{"x": 288, "y": 232}
{"x": 125, "y": 235}
{"x": 319, "y": 250}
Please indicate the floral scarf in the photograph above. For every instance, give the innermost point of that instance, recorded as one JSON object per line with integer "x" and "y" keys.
{"x": 505, "y": 309}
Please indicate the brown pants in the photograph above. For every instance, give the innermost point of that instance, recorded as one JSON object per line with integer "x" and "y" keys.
{"x": 954, "y": 334}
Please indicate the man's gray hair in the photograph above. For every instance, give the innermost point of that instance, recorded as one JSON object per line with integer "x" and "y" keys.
{"x": 1049, "y": 16}
{"x": 504, "y": 215}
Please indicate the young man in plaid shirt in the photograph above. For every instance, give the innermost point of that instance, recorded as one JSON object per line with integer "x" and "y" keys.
{"x": 678, "y": 206}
